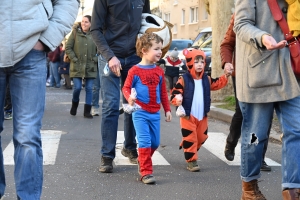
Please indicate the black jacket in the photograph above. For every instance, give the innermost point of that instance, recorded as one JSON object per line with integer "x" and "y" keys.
{"x": 115, "y": 25}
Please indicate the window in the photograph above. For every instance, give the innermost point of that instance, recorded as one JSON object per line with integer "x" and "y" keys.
{"x": 167, "y": 17}
{"x": 182, "y": 16}
{"x": 193, "y": 14}
{"x": 175, "y": 2}
{"x": 204, "y": 13}
{"x": 174, "y": 31}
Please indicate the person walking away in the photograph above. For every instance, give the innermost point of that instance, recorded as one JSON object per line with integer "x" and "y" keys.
{"x": 37, "y": 27}
{"x": 227, "y": 52}
{"x": 148, "y": 80}
{"x": 114, "y": 30}
{"x": 194, "y": 124}
{"x": 265, "y": 81}
{"x": 82, "y": 51}
{"x": 54, "y": 61}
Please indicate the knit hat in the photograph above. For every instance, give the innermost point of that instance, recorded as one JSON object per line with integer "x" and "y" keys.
{"x": 174, "y": 53}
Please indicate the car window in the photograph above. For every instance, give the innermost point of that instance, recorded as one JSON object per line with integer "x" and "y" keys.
{"x": 201, "y": 38}
{"x": 207, "y": 45}
{"x": 180, "y": 44}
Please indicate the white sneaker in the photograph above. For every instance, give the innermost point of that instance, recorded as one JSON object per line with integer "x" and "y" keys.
{"x": 95, "y": 111}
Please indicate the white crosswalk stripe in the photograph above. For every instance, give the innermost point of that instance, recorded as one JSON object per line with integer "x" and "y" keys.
{"x": 157, "y": 158}
{"x": 50, "y": 143}
{"x": 51, "y": 138}
{"x": 216, "y": 144}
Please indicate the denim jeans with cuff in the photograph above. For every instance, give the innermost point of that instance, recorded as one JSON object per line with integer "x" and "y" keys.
{"x": 254, "y": 134}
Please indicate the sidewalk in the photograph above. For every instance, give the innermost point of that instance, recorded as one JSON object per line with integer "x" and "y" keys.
{"x": 226, "y": 116}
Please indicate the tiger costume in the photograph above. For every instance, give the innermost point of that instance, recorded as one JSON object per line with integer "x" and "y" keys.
{"x": 195, "y": 89}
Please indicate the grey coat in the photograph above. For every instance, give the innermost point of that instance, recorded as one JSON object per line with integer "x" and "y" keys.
{"x": 25, "y": 22}
{"x": 261, "y": 75}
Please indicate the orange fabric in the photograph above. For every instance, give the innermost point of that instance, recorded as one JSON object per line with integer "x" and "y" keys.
{"x": 195, "y": 139}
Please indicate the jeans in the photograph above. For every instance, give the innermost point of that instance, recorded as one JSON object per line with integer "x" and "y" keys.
{"x": 254, "y": 134}
{"x": 77, "y": 84}
{"x": 27, "y": 80}
{"x": 96, "y": 89}
{"x": 236, "y": 125}
{"x": 55, "y": 78}
{"x": 172, "y": 81}
{"x": 110, "y": 93}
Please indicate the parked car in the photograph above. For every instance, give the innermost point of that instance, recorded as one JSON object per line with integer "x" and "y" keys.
{"x": 180, "y": 44}
{"x": 202, "y": 37}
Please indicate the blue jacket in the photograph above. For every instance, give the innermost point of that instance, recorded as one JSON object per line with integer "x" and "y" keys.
{"x": 188, "y": 95}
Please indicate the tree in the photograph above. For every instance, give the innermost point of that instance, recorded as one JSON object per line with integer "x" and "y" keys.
{"x": 220, "y": 12}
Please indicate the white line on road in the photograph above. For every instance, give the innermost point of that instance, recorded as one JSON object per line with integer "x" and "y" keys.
{"x": 50, "y": 142}
{"x": 216, "y": 145}
{"x": 157, "y": 158}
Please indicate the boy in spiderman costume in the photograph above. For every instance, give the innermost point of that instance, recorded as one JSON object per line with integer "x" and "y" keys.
{"x": 149, "y": 83}
{"x": 192, "y": 91}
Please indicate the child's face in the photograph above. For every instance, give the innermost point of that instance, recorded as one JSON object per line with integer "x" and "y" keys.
{"x": 199, "y": 65}
{"x": 153, "y": 54}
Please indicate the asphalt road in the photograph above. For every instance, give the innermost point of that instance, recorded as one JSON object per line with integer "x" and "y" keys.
{"x": 74, "y": 174}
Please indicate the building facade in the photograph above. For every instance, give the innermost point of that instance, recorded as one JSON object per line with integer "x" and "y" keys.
{"x": 189, "y": 17}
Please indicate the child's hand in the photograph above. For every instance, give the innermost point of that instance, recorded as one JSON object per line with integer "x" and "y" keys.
{"x": 228, "y": 69}
{"x": 168, "y": 116}
{"x": 131, "y": 100}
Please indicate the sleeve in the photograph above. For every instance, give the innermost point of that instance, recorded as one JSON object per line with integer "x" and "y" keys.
{"x": 146, "y": 8}
{"x": 164, "y": 94}
{"x": 218, "y": 83}
{"x": 70, "y": 47}
{"x": 244, "y": 23}
{"x": 178, "y": 89}
{"x": 128, "y": 84}
{"x": 228, "y": 44}
{"x": 98, "y": 23}
{"x": 60, "y": 23}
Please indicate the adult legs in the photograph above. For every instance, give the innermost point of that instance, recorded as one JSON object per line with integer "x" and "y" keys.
{"x": 76, "y": 93}
{"x": 110, "y": 93}
{"x": 27, "y": 84}
{"x": 235, "y": 128}
{"x": 3, "y": 83}
{"x": 129, "y": 131}
{"x": 288, "y": 113}
{"x": 55, "y": 75}
{"x": 96, "y": 90}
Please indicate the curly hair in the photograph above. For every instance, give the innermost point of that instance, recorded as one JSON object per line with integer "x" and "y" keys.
{"x": 145, "y": 42}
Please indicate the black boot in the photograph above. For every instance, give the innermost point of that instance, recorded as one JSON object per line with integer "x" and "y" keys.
{"x": 229, "y": 152}
{"x": 87, "y": 111}
{"x": 74, "y": 107}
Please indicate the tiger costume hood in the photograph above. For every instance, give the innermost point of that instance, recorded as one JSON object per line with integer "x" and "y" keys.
{"x": 190, "y": 55}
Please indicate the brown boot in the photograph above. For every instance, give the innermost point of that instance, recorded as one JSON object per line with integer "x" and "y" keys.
{"x": 251, "y": 191}
{"x": 291, "y": 194}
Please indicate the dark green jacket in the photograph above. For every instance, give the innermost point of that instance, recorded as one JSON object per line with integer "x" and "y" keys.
{"x": 82, "y": 51}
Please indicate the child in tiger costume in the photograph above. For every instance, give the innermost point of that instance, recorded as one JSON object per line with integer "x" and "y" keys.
{"x": 194, "y": 88}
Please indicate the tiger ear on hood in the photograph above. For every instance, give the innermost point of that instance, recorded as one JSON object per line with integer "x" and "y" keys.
{"x": 185, "y": 52}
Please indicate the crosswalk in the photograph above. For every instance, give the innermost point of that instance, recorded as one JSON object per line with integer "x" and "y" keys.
{"x": 51, "y": 138}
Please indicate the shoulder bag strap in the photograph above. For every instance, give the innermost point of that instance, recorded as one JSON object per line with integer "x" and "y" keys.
{"x": 278, "y": 16}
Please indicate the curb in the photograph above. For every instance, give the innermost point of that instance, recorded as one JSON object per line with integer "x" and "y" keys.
{"x": 226, "y": 116}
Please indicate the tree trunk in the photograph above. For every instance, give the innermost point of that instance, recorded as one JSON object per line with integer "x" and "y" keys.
{"x": 220, "y": 11}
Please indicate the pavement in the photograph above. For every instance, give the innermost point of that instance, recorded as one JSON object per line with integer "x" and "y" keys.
{"x": 226, "y": 116}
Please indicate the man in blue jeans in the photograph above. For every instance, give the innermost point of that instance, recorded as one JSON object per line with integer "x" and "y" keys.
{"x": 37, "y": 26}
{"x": 115, "y": 26}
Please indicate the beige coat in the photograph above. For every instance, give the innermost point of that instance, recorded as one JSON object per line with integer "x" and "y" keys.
{"x": 261, "y": 75}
